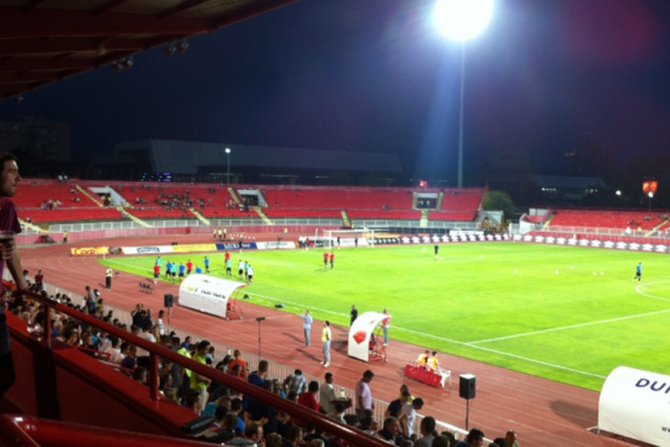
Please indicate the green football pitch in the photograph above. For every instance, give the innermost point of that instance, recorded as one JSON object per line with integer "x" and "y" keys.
{"x": 565, "y": 313}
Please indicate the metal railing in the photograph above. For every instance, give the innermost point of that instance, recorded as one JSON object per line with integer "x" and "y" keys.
{"x": 347, "y": 433}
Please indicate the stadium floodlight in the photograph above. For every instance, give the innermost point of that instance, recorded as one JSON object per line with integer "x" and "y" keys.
{"x": 228, "y": 165}
{"x": 460, "y": 21}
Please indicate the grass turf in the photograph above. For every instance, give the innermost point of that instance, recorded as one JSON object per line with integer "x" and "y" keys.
{"x": 565, "y": 313}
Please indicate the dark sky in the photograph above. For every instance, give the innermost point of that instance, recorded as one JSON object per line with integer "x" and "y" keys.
{"x": 546, "y": 77}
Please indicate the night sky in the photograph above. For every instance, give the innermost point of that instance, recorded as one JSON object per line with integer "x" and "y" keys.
{"x": 547, "y": 77}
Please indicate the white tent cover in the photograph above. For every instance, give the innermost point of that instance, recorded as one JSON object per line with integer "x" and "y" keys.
{"x": 359, "y": 334}
{"x": 207, "y": 294}
{"x": 636, "y": 404}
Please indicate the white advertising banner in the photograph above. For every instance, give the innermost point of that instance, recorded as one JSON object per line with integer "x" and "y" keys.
{"x": 359, "y": 334}
{"x": 207, "y": 294}
{"x": 148, "y": 250}
{"x": 636, "y": 404}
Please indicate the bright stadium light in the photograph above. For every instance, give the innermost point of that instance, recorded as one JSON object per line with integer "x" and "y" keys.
{"x": 462, "y": 20}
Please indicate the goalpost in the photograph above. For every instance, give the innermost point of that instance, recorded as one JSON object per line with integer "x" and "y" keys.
{"x": 363, "y": 237}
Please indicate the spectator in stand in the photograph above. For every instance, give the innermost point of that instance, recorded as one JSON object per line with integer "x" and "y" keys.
{"x": 253, "y": 436}
{"x": 327, "y": 394}
{"x": 338, "y": 413}
{"x": 510, "y": 439}
{"x": 256, "y": 408}
{"x": 129, "y": 362}
{"x": 274, "y": 440}
{"x": 309, "y": 398}
{"x": 240, "y": 362}
{"x": 293, "y": 436}
{"x": 427, "y": 430}
{"x": 395, "y": 406}
{"x": 364, "y": 400}
{"x": 390, "y": 432}
{"x": 237, "y": 408}
{"x": 295, "y": 383}
{"x": 160, "y": 324}
{"x": 143, "y": 358}
{"x": 475, "y": 438}
{"x": 443, "y": 441}
{"x": 407, "y": 417}
{"x": 114, "y": 350}
{"x": 140, "y": 375}
{"x": 39, "y": 281}
{"x": 198, "y": 382}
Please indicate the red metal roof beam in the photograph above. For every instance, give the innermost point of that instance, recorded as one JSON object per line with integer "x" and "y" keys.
{"x": 185, "y": 6}
{"x": 15, "y": 23}
{"x": 65, "y": 45}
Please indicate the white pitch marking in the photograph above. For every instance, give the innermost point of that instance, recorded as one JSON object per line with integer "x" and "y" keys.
{"x": 572, "y": 326}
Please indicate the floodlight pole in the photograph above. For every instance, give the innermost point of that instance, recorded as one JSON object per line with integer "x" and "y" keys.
{"x": 228, "y": 166}
{"x": 460, "y": 118}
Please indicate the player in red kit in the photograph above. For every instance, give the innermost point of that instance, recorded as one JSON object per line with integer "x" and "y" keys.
{"x": 332, "y": 261}
{"x": 325, "y": 260}
{"x": 189, "y": 267}
{"x": 157, "y": 272}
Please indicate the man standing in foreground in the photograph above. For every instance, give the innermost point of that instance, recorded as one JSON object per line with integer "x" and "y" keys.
{"x": 307, "y": 327}
{"x": 364, "y": 399}
{"x": 9, "y": 226}
{"x": 326, "y": 338}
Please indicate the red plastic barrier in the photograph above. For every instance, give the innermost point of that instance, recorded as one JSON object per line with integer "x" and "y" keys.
{"x": 422, "y": 375}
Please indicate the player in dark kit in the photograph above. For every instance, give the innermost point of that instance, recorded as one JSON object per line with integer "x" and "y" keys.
{"x": 638, "y": 272}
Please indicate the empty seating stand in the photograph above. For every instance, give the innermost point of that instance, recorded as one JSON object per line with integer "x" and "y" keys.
{"x": 607, "y": 219}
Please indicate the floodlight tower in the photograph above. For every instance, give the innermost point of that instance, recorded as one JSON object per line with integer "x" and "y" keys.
{"x": 228, "y": 166}
{"x": 460, "y": 21}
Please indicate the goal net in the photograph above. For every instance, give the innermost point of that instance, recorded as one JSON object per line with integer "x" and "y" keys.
{"x": 347, "y": 238}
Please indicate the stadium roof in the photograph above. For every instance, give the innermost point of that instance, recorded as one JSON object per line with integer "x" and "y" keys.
{"x": 45, "y": 41}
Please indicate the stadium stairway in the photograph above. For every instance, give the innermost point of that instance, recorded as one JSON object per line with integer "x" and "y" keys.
{"x": 440, "y": 200}
{"x": 657, "y": 228}
{"x": 90, "y": 196}
{"x": 262, "y": 215}
{"x": 345, "y": 219}
{"x": 236, "y": 197}
{"x": 423, "y": 223}
{"x": 548, "y": 222}
{"x": 135, "y": 219}
{"x": 200, "y": 217}
{"x": 33, "y": 227}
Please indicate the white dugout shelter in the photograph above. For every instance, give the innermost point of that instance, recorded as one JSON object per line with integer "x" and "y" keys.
{"x": 360, "y": 332}
{"x": 207, "y": 294}
{"x": 635, "y": 404}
